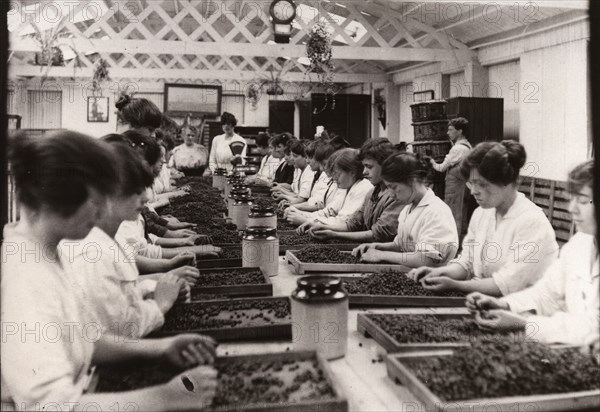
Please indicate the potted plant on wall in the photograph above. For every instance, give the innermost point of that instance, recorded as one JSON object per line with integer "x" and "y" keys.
{"x": 319, "y": 53}
{"x": 252, "y": 95}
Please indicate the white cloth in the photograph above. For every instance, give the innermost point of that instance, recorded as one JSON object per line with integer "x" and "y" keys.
{"x": 318, "y": 191}
{"x": 344, "y": 204}
{"x": 454, "y": 156}
{"x": 268, "y": 167}
{"x": 429, "y": 228}
{"x": 48, "y": 337}
{"x": 111, "y": 280}
{"x": 162, "y": 183}
{"x": 220, "y": 152}
{"x": 131, "y": 238}
{"x": 566, "y": 299}
{"x": 184, "y": 156}
{"x": 303, "y": 181}
{"x": 514, "y": 251}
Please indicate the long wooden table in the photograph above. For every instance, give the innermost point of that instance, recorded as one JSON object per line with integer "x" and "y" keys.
{"x": 364, "y": 382}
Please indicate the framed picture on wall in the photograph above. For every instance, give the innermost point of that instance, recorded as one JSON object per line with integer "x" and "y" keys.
{"x": 97, "y": 109}
{"x": 195, "y": 99}
{"x": 423, "y": 96}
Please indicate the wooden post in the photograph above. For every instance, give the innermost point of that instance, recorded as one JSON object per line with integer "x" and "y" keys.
{"x": 476, "y": 79}
{"x": 392, "y": 103}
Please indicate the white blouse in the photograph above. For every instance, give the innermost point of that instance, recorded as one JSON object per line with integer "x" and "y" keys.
{"x": 220, "y": 152}
{"x": 345, "y": 203}
{"x": 318, "y": 191}
{"x": 112, "y": 284}
{"x": 268, "y": 167}
{"x": 48, "y": 334}
{"x": 303, "y": 181}
{"x": 514, "y": 251}
{"x": 184, "y": 156}
{"x": 429, "y": 228}
{"x": 566, "y": 299}
{"x": 131, "y": 238}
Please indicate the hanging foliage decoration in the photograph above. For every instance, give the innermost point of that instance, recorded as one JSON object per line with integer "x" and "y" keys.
{"x": 101, "y": 75}
{"x": 318, "y": 51}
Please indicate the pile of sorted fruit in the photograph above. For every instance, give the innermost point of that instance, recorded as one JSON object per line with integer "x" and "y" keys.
{"x": 283, "y": 224}
{"x": 324, "y": 254}
{"x": 230, "y": 278}
{"x": 305, "y": 239}
{"x": 214, "y": 315}
{"x": 231, "y": 253}
{"x": 390, "y": 284}
{"x": 435, "y": 329}
{"x": 263, "y": 202}
{"x": 220, "y": 233}
{"x": 240, "y": 382}
{"x": 507, "y": 368}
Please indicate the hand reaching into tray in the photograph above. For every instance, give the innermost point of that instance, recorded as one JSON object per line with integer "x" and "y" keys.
{"x": 500, "y": 320}
{"x": 187, "y": 273}
{"x": 183, "y": 259}
{"x": 168, "y": 291}
{"x": 182, "y": 233}
{"x": 477, "y": 302}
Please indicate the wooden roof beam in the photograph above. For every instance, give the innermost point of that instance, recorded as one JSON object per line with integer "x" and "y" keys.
{"x": 246, "y": 49}
{"x": 557, "y": 4}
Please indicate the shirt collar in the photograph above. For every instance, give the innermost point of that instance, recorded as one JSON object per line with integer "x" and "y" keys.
{"x": 427, "y": 198}
{"x": 515, "y": 208}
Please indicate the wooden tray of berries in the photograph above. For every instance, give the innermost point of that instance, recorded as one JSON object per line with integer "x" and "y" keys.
{"x": 389, "y": 289}
{"x": 404, "y": 368}
{"x": 233, "y": 282}
{"x": 302, "y": 267}
{"x": 219, "y": 263}
{"x": 298, "y": 381}
{"x": 265, "y": 318}
{"x": 370, "y": 328}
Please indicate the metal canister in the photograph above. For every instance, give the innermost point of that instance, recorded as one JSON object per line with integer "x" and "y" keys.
{"x": 262, "y": 216}
{"x": 320, "y": 316}
{"x": 233, "y": 194}
{"x": 260, "y": 248}
{"x": 219, "y": 178}
{"x": 233, "y": 181}
{"x": 240, "y": 209}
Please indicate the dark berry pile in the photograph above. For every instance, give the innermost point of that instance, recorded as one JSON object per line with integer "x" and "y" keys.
{"x": 283, "y": 224}
{"x": 305, "y": 239}
{"x": 240, "y": 382}
{"x": 390, "y": 284}
{"x": 251, "y": 312}
{"x": 507, "y": 368}
{"x": 231, "y": 253}
{"x": 434, "y": 329}
{"x": 324, "y": 254}
{"x": 263, "y": 201}
{"x": 230, "y": 277}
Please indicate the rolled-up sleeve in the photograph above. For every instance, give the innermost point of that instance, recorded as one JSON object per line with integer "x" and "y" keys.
{"x": 437, "y": 238}
{"x": 356, "y": 221}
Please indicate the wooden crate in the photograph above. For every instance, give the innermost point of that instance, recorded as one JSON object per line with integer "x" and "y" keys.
{"x": 552, "y": 197}
{"x": 397, "y": 300}
{"x": 249, "y": 290}
{"x": 399, "y": 372}
{"x": 302, "y": 267}
{"x": 277, "y": 331}
{"x": 339, "y": 402}
{"x": 431, "y": 130}
{"x": 431, "y": 110}
{"x": 371, "y": 330}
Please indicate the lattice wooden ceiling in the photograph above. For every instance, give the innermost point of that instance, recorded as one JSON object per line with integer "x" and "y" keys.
{"x": 231, "y": 40}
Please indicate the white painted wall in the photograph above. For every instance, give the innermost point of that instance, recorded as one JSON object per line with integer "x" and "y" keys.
{"x": 504, "y": 82}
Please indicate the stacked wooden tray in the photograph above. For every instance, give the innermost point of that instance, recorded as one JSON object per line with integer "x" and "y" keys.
{"x": 265, "y": 288}
{"x": 303, "y": 267}
{"x": 399, "y": 369}
{"x": 232, "y": 319}
{"x": 323, "y": 395}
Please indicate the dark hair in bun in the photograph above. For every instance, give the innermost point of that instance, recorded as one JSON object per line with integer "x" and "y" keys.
{"x": 497, "y": 162}
{"x": 138, "y": 112}
{"x": 404, "y": 168}
{"x": 57, "y": 171}
{"x": 228, "y": 118}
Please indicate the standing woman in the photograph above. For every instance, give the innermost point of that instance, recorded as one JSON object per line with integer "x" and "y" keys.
{"x": 426, "y": 229}
{"x": 62, "y": 183}
{"x": 221, "y": 155}
{"x": 455, "y": 194}
{"x": 190, "y": 157}
{"x": 140, "y": 115}
{"x": 510, "y": 242}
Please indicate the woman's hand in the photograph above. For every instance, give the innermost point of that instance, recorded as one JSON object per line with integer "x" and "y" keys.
{"x": 189, "y": 350}
{"x": 183, "y": 259}
{"x": 208, "y": 251}
{"x": 477, "y": 302}
{"x": 183, "y": 233}
{"x": 305, "y": 227}
{"x": 187, "y": 273}
{"x": 179, "y": 225}
{"x": 296, "y": 217}
{"x": 362, "y": 249}
{"x": 500, "y": 320}
{"x": 167, "y": 291}
{"x": 372, "y": 255}
{"x": 439, "y": 284}
{"x": 322, "y": 234}
{"x": 193, "y": 389}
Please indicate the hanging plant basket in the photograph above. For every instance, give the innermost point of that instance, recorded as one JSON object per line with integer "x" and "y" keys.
{"x": 319, "y": 52}
{"x": 101, "y": 74}
{"x": 51, "y": 56}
